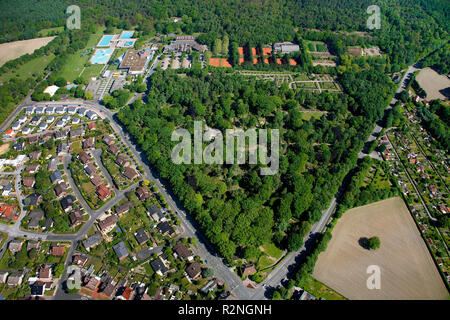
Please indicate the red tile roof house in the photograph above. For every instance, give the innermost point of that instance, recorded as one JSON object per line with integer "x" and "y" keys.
{"x": 45, "y": 272}
{"x": 103, "y": 192}
{"x": 126, "y": 294}
{"x": 92, "y": 126}
{"x": 143, "y": 193}
{"x": 58, "y": 251}
{"x": 92, "y": 284}
{"x": 80, "y": 260}
{"x": 9, "y": 211}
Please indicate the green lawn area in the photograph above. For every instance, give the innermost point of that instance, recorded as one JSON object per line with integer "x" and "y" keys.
{"x": 46, "y": 32}
{"x": 272, "y": 250}
{"x": 308, "y": 115}
{"x": 76, "y": 62}
{"x": 76, "y": 147}
{"x": 29, "y": 69}
{"x": 319, "y": 289}
{"x": 264, "y": 262}
{"x": 3, "y": 237}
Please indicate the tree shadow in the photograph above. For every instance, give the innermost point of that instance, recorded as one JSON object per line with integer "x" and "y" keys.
{"x": 364, "y": 242}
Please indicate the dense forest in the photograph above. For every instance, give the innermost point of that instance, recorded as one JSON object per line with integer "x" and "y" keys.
{"x": 239, "y": 209}
{"x": 409, "y": 28}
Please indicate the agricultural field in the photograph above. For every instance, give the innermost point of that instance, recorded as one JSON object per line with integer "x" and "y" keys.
{"x": 433, "y": 83}
{"x": 15, "y": 49}
{"x": 407, "y": 269}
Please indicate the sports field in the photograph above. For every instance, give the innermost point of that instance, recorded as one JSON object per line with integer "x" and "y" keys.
{"x": 406, "y": 266}
{"x": 15, "y": 49}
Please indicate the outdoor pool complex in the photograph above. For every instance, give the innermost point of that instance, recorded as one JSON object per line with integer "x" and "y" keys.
{"x": 101, "y": 56}
{"x": 105, "y": 40}
{"x": 126, "y": 35}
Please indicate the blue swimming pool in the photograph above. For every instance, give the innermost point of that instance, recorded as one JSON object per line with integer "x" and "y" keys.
{"x": 104, "y": 41}
{"x": 101, "y": 56}
{"x": 126, "y": 35}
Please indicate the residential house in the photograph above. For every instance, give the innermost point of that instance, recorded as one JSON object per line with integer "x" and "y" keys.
{"x": 80, "y": 260}
{"x": 182, "y": 252}
{"x": 121, "y": 250}
{"x": 89, "y": 169}
{"x": 84, "y": 157}
{"x": 76, "y": 217}
{"x": 122, "y": 160}
{"x": 33, "y": 139}
{"x": 48, "y": 224}
{"x": 96, "y": 180}
{"x": 56, "y": 177}
{"x": 28, "y": 182}
{"x": 67, "y": 203}
{"x": 108, "y": 140}
{"x": 92, "y": 241}
{"x": 194, "y": 270}
{"x": 7, "y": 190}
{"x": 33, "y": 199}
{"x": 32, "y": 168}
{"x": 248, "y": 269}
{"x": 130, "y": 173}
{"x": 143, "y": 193}
{"x": 9, "y": 211}
{"x": 15, "y": 246}
{"x": 89, "y": 143}
{"x": 61, "y": 189}
{"x": 141, "y": 236}
{"x": 3, "y": 276}
{"x": 35, "y": 155}
{"x": 165, "y": 228}
{"x": 124, "y": 208}
{"x": 44, "y": 272}
{"x": 103, "y": 192}
{"x": 92, "y": 126}
{"x": 35, "y": 217}
{"x": 93, "y": 283}
{"x": 19, "y": 146}
{"x": 158, "y": 266}
{"x": 107, "y": 224}
{"x": 15, "y": 279}
{"x": 58, "y": 250}
{"x": 74, "y": 133}
{"x": 155, "y": 213}
{"x": 53, "y": 164}
{"x": 33, "y": 245}
{"x": 114, "y": 149}
{"x": 62, "y": 148}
